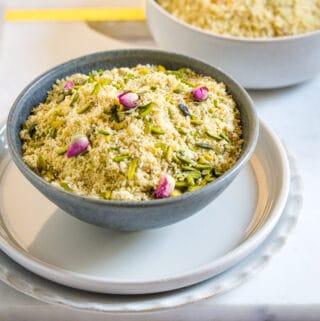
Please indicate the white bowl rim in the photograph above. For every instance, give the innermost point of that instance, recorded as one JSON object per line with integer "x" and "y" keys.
{"x": 232, "y": 38}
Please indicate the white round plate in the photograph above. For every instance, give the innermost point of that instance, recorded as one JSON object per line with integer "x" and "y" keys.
{"x": 42, "y": 289}
{"x": 54, "y": 245}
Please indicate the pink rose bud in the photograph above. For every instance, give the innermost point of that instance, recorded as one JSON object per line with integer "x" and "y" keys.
{"x": 129, "y": 99}
{"x": 78, "y": 145}
{"x": 200, "y": 93}
{"x": 165, "y": 186}
{"x": 69, "y": 85}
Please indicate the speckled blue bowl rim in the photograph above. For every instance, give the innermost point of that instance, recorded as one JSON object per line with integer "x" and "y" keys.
{"x": 249, "y": 146}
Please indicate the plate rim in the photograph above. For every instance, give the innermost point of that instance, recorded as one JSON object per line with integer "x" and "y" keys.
{"x": 193, "y": 276}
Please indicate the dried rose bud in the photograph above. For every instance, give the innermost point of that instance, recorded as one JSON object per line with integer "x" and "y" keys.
{"x": 69, "y": 85}
{"x": 129, "y": 99}
{"x": 200, "y": 93}
{"x": 165, "y": 186}
{"x": 78, "y": 145}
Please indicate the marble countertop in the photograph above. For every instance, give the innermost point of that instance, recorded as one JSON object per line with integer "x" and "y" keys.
{"x": 288, "y": 288}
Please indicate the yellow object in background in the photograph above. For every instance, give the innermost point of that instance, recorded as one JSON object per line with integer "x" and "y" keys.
{"x": 79, "y": 14}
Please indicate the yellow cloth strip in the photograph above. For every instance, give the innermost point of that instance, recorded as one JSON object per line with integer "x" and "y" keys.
{"x": 78, "y": 14}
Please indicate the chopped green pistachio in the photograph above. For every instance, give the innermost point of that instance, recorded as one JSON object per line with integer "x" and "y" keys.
{"x": 104, "y": 132}
{"x": 50, "y": 176}
{"x": 213, "y": 135}
{"x": 60, "y": 98}
{"x": 187, "y": 168}
{"x": 195, "y": 121}
{"x": 169, "y": 154}
{"x": 187, "y": 83}
{"x": 118, "y": 126}
{"x": 176, "y": 193}
{"x": 107, "y": 195}
{"x": 91, "y": 77}
{"x": 84, "y": 109}
{"x": 161, "y": 145}
{"x": 96, "y": 89}
{"x": 153, "y": 88}
{"x": 41, "y": 164}
{"x": 32, "y": 129}
{"x": 204, "y": 145}
{"x": 170, "y": 112}
{"x": 66, "y": 187}
{"x": 225, "y": 137}
{"x": 121, "y": 158}
{"x": 132, "y": 168}
{"x": 181, "y": 131}
{"x": 157, "y": 131}
{"x": 128, "y": 76}
{"x": 183, "y": 159}
{"x": 161, "y": 68}
{"x": 74, "y": 99}
{"x": 179, "y": 89}
{"x": 146, "y": 109}
{"x": 190, "y": 180}
{"x": 181, "y": 184}
{"x": 216, "y": 103}
{"x": 203, "y": 166}
{"x": 194, "y": 174}
{"x": 57, "y": 123}
{"x": 62, "y": 150}
{"x": 52, "y": 132}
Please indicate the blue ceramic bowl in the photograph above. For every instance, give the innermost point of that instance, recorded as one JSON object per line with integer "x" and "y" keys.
{"x": 123, "y": 215}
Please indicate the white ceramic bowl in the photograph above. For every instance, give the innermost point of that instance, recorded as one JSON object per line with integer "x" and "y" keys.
{"x": 256, "y": 63}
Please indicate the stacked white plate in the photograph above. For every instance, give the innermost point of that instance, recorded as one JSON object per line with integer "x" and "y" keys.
{"x": 49, "y": 255}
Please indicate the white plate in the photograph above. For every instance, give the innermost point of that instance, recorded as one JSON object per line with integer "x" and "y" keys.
{"x": 31, "y": 284}
{"x": 47, "y": 241}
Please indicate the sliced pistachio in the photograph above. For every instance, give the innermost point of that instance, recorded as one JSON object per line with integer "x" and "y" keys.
{"x": 118, "y": 126}
{"x": 170, "y": 112}
{"x": 225, "y": 137}
{"x": 66, "y": 187}
{"x": 157, "y": 131}
{"x": 146, "y": 109}
{"x": 62, "y": 150}
{"x": 32, "y": 129}
{"x": 107, "y": 195}
{"x": 84, "y": 108}
{"x": 179, "y": 89}
{"x": 213, "y": 135}
{"x": 176, "y": 193}
{"x": 181, "y": 184}
{"x": 97, "y": 88}
{"x": 121, "y": 158}
{"x": 203, "y": 166}
{"x": 216, "y": 103}
{"x": 74, "y": 99}
{"x": 132, "y": 169}
{"x": 183, "y": 159}
{"x": 52, "y": 132}
{"x": 41, "y": 164}
{"x": 104, "y": 132}
{"x": 161, "y": 68}
{"x": 195, "y": 121}
{"x": 194, "y": 174}
{"x": 187, "y": 83}
{"x": 181, "y": 131}
{"x": 204, "y": 145}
